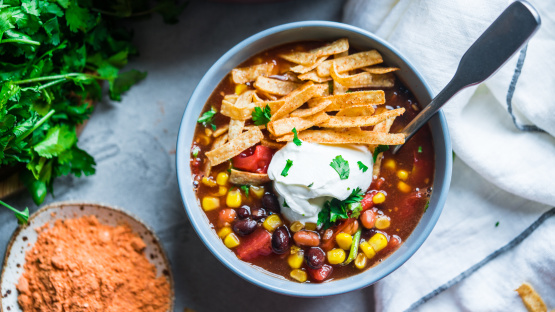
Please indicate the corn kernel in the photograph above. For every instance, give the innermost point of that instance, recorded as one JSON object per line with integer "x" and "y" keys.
{"x": 295, "y": 249}
{"x": 382, "y": 222}
{"x": 208, "y": 131}
{"x": 231, "y": 240}
{"x": 222, "y": 190}
{"x": 360, "y": 261}
{"x": 378, "y": 198}
{"x": 299, "y": 275}
{"x": 240, "y": 88}
{"x": 208, "y": 181}
{"x": 368, "y": 251}
{"x": 403, "y": 187}
{"x": 222, "y": 178}
{"x": 258, "y": 191}
{"x": 223, "y": 232}
{"x": 233, "y": 199}
{"x": 272, "y": 222}
{"x": 210, "y": 203}
{"x": 344, "y": 240}
{"x": 403, "y": 175}
{"x": 336, "y": 256}
{"x": 204, "y": 140}
{"x": 378, "y": 241}
{"x": 296, "y": 226}
{"x": 310, "y": 226}
{"x": 295, "y": 261}
{"x": 390, "y": 163}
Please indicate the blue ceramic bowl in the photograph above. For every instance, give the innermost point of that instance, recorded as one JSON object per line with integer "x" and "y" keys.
{"x": 312, "y": 30}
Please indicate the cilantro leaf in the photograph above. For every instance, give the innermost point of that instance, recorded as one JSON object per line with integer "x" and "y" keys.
{"x": 420, "y": 149}
{"x": 296, "y": 138}
{"x": 355, "y": 196}
{"x": 261, "y": 116}
{"x": 341, "y": 166}
{"x": 57, "y": 140}
{"x": 245, "y": 189}
{"x": 335, "y": 210}
{"x": 362, "y": 166}
{"x": 79, "y": 18}
{"x": 497, "y": 224}
{"x": 207, "y": 118}
{"x": 379, "y": 149}
{"x": 195, "y": 151}
{"x": 287, "y": 167}
{"x": 285, "y": 204}
{"x": 22, "y": 216}
{"x": 124, "y": 81}
{"x": 311, "y": 184}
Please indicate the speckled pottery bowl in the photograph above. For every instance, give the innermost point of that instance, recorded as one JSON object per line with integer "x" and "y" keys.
{"x": 302, "y": 31}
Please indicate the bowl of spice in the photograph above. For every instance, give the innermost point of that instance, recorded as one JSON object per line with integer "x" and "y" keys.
{"x": 85, "y": 257}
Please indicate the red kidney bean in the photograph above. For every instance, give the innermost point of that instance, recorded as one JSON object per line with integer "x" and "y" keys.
{"x": 281, "y": 239}
{"x": 315, "y": 257}
{"x": 244, "y": 227}
{"x": 306, "y": 238}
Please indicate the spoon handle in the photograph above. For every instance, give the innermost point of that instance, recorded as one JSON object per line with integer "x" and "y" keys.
{"x": 508, "y": 33}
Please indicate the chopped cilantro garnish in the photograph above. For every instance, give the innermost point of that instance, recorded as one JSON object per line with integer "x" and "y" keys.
{"x": 362, "y": 166}
{"x": 296, "y": 138}
{"x": 261, "y": 116}
{"x": 245, "y": 189}
{"x": 378, "y": 150}
{"x": 311, "y": 184}
{"x": 427, "y": 205}
{"x": 335, "y": 209}
{"x": 195, "y": 151}
{"x": 285, "y": 204}
{"x": 341, "y": 166}
{"x": 207, "y": 118}
{"x": 497, "y": 224}
{"x": 287, "y": 167}
{"x": 420, "y": 149}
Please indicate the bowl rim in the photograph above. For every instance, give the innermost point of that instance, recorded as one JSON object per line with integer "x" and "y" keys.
{"x": 251, "y": 272}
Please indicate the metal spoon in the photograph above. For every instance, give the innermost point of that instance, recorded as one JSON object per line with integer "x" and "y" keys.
{"x": 508, "y": 33}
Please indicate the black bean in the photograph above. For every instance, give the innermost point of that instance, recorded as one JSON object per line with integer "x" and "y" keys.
{"x": 243, "y": 212}
{"x": 244, "y": 227}
{"x": 270, "y": 202}
{"x": 281, "y": 240}
{"x": 315, "y": 257}
{"x": 259, "y": 213}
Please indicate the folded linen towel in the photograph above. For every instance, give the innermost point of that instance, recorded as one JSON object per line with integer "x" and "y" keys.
{"x": 503, "y": 134}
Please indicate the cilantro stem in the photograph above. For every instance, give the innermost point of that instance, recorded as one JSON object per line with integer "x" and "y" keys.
{"x": 46, "y": 85}
{"x": 22, "y": 216}
{"x": 56, "y": 77}
{"x": 26, "y": 41}
{"x": 38, "y": 124}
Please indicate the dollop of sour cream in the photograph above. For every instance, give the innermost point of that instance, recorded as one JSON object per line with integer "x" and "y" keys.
{"x": 311, "y": 180}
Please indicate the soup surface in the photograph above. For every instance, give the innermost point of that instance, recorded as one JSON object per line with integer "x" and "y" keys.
{"x": 238, "y": 191}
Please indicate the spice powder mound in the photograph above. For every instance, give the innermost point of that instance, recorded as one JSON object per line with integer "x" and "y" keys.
{"x": 82, "y": 265}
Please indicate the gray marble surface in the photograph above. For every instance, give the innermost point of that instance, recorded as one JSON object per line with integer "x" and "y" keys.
{"x": 134, "y": 145}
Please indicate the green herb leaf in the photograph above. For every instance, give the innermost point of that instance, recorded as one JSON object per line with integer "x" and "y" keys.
{"x": 341, "y": 166}
{"x": 285, "y": 204}
{"x": 497, "y": 224}
{"x": 311, "y": 184}
{"x": 378, "y": 150}
{"x": 287, "y": 167}
{"x": 195, "y": 151}
{"x": 261, "y": 116}
{"x": 427, "y": 205}
{"x": 22, "y": 216}
{"x": 246, "y": 189}
{"x": 207, "y": 118}
{"x": 296, "y": 138}
{"x": 335, "y": 210}
{"x": 362, "y": 166}
{"x": 57, "y": 140}
{"x": 123, "y": 82}
{"x": 420, "y": 149}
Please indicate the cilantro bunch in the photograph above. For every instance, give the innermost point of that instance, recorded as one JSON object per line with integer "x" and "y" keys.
{"x": 335, "y": 210}
{"x": 54, "y": 56}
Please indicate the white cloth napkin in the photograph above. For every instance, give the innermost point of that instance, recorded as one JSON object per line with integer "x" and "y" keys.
{"x": 501, "y": 174}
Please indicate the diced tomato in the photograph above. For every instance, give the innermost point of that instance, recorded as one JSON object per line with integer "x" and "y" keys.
{"x": 413, "y": 200}
{"x": 367, "y": 202}
{"x": 422, "y": 166}
{"x": 377, "y": 184}
{"x": 320, "y": 274}
{"x": 254, "y": 160}
{"x": 256, "y": 244}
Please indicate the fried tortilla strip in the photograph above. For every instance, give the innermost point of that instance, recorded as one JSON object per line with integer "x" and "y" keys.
{"x": 241, "y": 109}
{"x": 223, "y": 129}
{"x": 382, "y": 127}
{"x": 308, "y": 58}
{"x": 248, "y": 178}
{"x": 304, "y": 112}
{"x": 351, "y": 99}
{"x": 246, "y": 74}
{"x": 313, "y": 76}
{"x": 350, "y": 62}
{"x": 301, "y": 69}
{"x": 234, "y": 147}
{"x": 232, "y": 98}
{"x": 285, "y": 125}
{"x": 297, "y": 98}
{"x": 531, "y": 299}
{"x": 235, "y": 128}
{"x": 271, "y": 143}
{"x": 356, "y": 110}
{"x": 360, "y": 121}
{"x": 346, "y": 137}
{"x": 363, "y": 80}
{"x": 219, "y": 141}
{"x": 275, "y": 86}
{"x": 378, "y": 70}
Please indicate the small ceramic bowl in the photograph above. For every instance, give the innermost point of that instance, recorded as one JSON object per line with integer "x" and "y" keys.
{"x": 24, "y": 238}
{"x": 301, "y": 31}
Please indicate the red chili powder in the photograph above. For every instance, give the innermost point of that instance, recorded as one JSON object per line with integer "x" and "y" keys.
{"x": 82, "y": 265}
